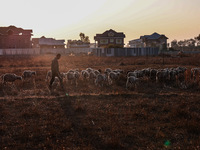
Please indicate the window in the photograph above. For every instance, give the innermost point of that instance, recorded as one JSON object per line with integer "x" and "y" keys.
{"x": 110, "y": 34}
{"x": 119, "y": 41}
{"x": 111, "y": 40}
{"x": 104, "y": 41}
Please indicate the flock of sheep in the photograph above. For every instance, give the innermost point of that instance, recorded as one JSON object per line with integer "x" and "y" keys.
{"x": 110, "y": 76}
{"x": 11, "y": 77}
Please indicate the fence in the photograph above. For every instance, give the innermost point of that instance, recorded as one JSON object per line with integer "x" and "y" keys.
{"x": 147, "y": 51}
{"x": 79, "y": 50}
{"x": 37, "y": 51}
{"x": 30, "y": 51}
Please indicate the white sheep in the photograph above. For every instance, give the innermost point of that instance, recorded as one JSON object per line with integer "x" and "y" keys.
{"x": 49, "y": 75}
{"x": 100, "y": 79}
{"x": 97, "y": 71}
{"x": 72, "y": 76}
{"x": 108, "y": 70}
{"x": 56, "y": 82}
{"x": 89, "y": 70}
{"x": 132, "y": 82}
{"x": 27, "y": 74}
{"x": 118, "y": 71}
{"x": 85, "y": 74}
{"x": 113, "y": 76}
{"x": 10, "y": 77}
{"x": 92, "y": 76}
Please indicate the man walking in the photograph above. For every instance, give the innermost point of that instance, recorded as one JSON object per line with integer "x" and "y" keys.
{"x": 55, "y": 71}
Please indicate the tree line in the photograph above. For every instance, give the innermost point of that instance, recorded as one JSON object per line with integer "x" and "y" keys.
{"x": 187, "y": 43}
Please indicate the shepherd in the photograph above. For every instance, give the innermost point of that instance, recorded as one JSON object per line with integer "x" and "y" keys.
{"x": 55, "y": 71}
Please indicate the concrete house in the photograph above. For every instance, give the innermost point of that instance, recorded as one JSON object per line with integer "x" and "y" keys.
{"x": 15, "y": 38}
{"x": 153, "y": 40}
{"x": 48, "y": 43}
{"x": 110, "y": 38}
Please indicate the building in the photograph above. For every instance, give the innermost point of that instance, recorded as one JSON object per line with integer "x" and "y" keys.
{"x": 153, "y": 40}
{"x": 48, "y": 43}
{"x": 110, "y": 38}
{"x": 77, "y": 44}
{"x": 13, "y": 37}
{"x": 136, "y": 43}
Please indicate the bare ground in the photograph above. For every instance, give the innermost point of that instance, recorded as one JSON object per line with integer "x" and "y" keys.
{"x": 89, "y": 117}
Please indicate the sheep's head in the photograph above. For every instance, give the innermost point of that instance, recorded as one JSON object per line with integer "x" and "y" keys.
{"x": 18, "y": 77}
{"x": 34, "y": 72}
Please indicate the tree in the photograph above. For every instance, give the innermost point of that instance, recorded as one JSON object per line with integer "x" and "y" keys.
{"x": 174, "y": 43}
{"x": 87, "y": 40}
{"x": 198, "y": 37}
{"x": 190, "y": 43}
{"x": 84, "y": 38}
{"x": 197, "y": 40}
{"x": 182, "y": 43}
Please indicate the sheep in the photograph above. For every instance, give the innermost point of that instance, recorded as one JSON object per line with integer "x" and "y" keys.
{"x": 162, "y": 75}
{"x": 56, "y": 82}
{"x": 131, "y": 73}
{"x": 132, "y": 82}
{"x": 100, "y": 79}
{"x": 181, "y": 69}
{"x": 10, "y": 77}
{"x": 85, "y": 74}
{"x": 72, "y": 76}
{"x": 77, "y": 75}
{"x": 92, "y": 76}
{"x": 97, "y": 71}
{"x": 172, "y": 75}
{"x": 49, "y": 75}
{"x": 153, "y": 73}
{"x": 136, "y": 73}
{"x": 146, "y": 72}
{"x": 180, "y": 79}
{"x": 89, "y": 70}
{"x": 112, "y": 76}
{"x": 195, "y": 74}
{"x": 118, "y": 71}
{"x": 27, "y": 74}
{"x": 107, "y": 71}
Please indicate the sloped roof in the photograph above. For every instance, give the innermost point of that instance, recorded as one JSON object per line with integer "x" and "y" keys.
{"x": 136, "y": 40}
{"x": 50, "y": 41}
{"x": 153, "y": 36}
{"x": 78, "y": 42}
{"x": 15, "y": 30}
{"x": 113, "y": 32}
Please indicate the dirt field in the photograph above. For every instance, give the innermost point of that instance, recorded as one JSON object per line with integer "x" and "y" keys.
{"x": 153, "y": 116}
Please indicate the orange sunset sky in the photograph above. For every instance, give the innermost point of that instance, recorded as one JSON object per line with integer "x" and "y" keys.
{"x": 65, "y": 19}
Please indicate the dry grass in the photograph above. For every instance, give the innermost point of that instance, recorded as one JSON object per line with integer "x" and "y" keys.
{"x": 31, "y": 117}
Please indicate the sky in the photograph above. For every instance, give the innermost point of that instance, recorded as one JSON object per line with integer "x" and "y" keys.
{"x": 65, "y": 19}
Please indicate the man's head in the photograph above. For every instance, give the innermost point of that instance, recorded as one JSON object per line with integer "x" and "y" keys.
{"x": 58, "y": 56}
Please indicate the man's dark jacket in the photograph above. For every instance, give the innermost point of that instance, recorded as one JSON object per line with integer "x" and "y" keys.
{"x": 55, "y": 66}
